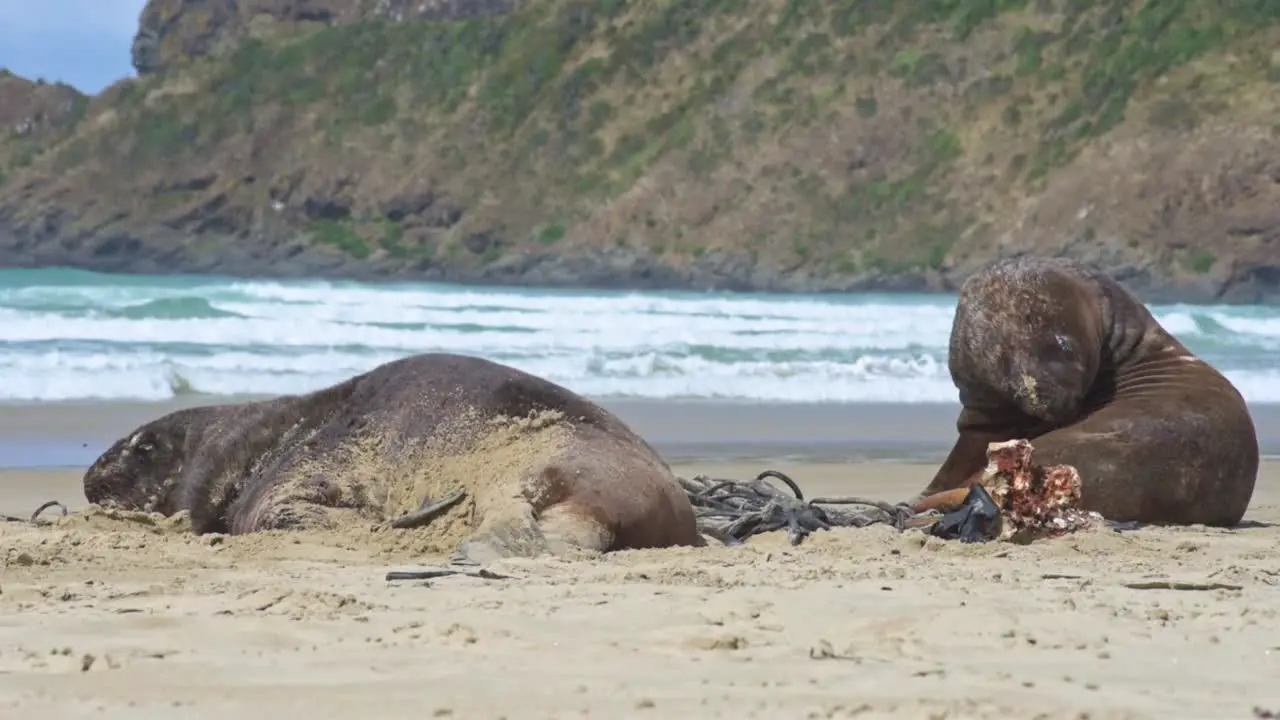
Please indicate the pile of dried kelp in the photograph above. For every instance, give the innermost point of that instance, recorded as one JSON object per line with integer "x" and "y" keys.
{"x": 733, "y": 510}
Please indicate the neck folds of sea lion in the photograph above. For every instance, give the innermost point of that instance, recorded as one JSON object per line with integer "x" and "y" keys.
{"x": 1160, "y": 372}
{"x": 1145, "y": 358}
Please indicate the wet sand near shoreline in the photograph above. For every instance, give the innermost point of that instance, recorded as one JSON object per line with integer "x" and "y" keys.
{"x": 73, "y": 434}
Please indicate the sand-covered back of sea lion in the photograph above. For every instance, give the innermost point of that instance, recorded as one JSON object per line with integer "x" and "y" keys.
{"x": 376, "y": 475}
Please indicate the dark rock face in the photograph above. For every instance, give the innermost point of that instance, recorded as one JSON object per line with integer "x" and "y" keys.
{"x": 33, "y": 112}
{"x": 171, "y": 31}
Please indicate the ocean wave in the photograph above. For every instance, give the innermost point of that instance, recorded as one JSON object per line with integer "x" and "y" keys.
{"x": 63, "y": 375}
{"x": 85, "y": 336}
{"x": 894, "y": 381}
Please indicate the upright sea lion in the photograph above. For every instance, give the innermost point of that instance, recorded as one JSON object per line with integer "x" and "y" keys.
{"x": 1056, "y": 352}
{"x": 543, "y": 468}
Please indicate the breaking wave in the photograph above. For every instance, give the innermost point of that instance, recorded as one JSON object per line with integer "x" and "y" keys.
{"x": 70, "y": 335}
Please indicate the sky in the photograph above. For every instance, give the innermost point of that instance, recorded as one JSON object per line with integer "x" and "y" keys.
{"x": 81, "y": 42}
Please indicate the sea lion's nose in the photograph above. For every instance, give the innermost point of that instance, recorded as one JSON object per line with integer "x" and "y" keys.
{"x": 1026, "y": 392}
{"x": 1050, "y": 394}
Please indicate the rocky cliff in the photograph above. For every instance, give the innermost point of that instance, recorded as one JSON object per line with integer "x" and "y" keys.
{"x": 781, "y": 144}
{"x": 33, "y": 116}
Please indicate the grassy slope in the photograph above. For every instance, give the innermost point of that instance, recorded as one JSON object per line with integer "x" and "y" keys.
{"x": 33, "y": 116}
{"x": 829, "y": 137}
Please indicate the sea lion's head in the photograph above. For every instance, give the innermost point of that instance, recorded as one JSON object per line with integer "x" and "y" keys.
{"x": 138, "y": 472}
{"x": 1053, "y": 358}
{"x": 1035, "y": 340}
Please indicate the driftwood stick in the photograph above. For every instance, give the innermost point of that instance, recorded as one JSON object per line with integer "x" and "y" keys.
{"x": 1174, "y": 585}
{"x": 430, "y": 573}
{"x": 428, "y": 512}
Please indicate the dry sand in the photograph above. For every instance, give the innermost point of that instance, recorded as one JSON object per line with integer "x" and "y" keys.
{"x": 116, "y": 618}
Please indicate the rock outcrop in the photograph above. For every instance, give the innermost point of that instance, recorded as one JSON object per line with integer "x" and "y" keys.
{"x": 173, "y": 31}
{"x": 34, "y": 115}
{"x": 800, "y": 145}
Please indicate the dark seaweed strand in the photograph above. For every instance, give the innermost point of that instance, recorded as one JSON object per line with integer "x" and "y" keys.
{"x": 35, "y": 516}
{"x": 733, "y": 510}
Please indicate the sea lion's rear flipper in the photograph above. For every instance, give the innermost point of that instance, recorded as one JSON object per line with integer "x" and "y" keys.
{"x": 511, "y": 533}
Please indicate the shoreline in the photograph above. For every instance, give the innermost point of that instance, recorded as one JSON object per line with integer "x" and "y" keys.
{"x": 909, "y": 283}
{"x": 72, "y": 434}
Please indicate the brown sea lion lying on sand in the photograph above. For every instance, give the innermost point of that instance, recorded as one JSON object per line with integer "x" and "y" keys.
{"x": 542, "y": 468}
{"x": 1053, "y": 351}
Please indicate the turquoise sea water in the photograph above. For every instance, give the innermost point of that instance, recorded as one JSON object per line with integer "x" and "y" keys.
{"x": 71, "y": 335}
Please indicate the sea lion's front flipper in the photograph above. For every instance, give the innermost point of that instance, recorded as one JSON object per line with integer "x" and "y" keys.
{"x": 944, "y": 502}
{"x": 513, "y": 532}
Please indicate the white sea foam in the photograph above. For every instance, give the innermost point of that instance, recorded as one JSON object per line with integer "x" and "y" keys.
{"x": 66, "y": 336}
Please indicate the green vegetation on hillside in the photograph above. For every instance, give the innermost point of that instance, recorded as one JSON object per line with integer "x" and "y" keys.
{"x": 34, "y": 115}
{"x": 566, "y": 105}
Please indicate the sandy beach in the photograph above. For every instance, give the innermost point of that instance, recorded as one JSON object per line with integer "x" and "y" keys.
{"x": 132, "y": 617}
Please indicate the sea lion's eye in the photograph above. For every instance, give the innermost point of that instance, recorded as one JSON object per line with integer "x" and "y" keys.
{"x": 1063, "y": 342}
{"x": 145, "y": 448}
